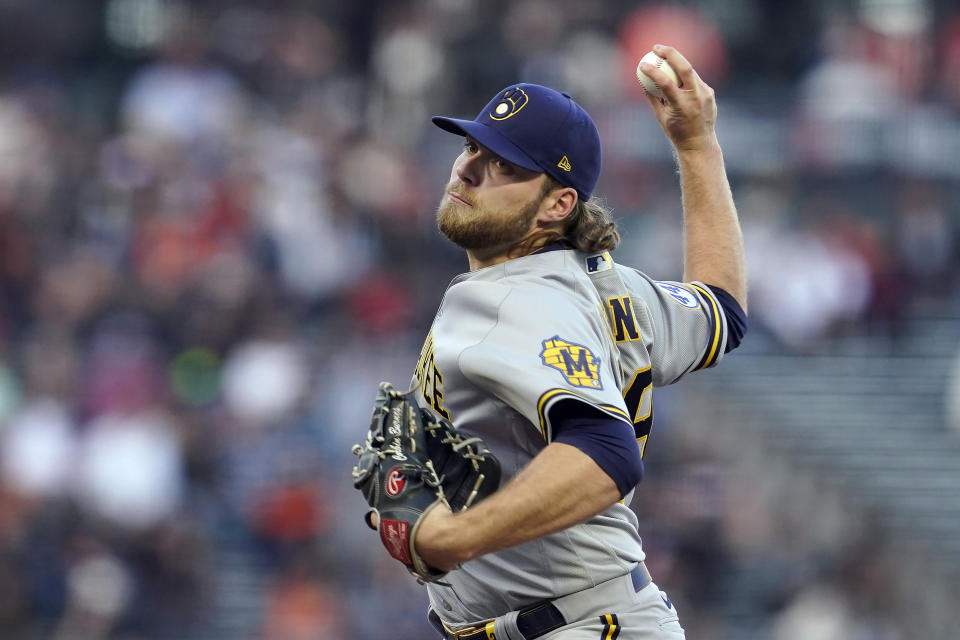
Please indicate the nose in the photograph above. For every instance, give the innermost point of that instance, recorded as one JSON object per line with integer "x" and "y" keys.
{"x": 466, "y": 168}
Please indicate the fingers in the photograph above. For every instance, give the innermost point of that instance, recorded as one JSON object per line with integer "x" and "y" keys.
{"x": 689, "y": 80}
{"x": 656, "y": 103}
{"x": 685, "y": 71}
{"x": 687, "y": 112}
{"x": 664, "y": 82}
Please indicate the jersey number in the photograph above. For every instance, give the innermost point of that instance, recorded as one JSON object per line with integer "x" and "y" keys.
{"x": 639, "y": 400}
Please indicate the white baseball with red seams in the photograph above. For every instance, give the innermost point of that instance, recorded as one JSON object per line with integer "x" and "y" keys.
{"x": 648, "y": 84}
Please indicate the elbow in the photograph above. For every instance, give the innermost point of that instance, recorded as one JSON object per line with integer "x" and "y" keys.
{"x": 614, "y": 449}
{"x": 735, "y": 313}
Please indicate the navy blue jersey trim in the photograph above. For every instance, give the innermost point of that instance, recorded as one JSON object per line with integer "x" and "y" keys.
{"x": 737, "y": 324}
{"x": 608, "y": 441}
{"x": 553, "y": 397}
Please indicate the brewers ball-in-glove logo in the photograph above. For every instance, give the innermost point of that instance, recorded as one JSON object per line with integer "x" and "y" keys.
{"x": 510, "y": 103}
{"x": 575, "y": 362}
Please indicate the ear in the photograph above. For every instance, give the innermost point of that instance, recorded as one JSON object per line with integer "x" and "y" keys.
{"x": 557, "y": 205}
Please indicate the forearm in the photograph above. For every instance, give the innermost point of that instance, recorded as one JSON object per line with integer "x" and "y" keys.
{"x": 561, "y": 486}
{"x": 713, "y": 243}
{"x": 713, "y": 251}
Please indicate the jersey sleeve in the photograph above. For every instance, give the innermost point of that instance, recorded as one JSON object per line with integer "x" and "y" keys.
{"x": 685, "y": 323}
{"x": 541, "y": 350}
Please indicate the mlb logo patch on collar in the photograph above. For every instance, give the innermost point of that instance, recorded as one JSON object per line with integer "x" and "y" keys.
{"x": 599, "y": 262}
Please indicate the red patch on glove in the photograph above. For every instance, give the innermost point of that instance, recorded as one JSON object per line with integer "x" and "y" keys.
{"x": 393, "y": 534}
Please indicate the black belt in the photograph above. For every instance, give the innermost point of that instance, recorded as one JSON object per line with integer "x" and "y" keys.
{"x": 534, "y": 621}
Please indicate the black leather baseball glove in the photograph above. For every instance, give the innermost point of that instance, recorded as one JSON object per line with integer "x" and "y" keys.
{"x": 411, "y": 460}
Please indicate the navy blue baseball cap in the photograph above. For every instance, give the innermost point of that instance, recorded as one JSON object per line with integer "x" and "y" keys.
{"x": 539, "y": 129}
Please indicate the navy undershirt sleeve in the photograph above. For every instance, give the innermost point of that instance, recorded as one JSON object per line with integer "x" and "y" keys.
{"x": 736, "y": 318}
{"x": 610, "y": 442}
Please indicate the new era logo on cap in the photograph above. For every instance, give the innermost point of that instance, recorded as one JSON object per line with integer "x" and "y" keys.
{"x": 539, "y": 129}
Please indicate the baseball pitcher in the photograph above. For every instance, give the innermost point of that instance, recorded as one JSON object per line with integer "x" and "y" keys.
{"x": 502, "y": 479}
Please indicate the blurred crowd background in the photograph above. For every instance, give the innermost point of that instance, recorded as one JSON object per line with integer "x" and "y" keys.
{"x": 217, "y": 235}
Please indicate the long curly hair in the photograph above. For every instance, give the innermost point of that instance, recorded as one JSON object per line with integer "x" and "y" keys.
{"x": 589, "y": 227}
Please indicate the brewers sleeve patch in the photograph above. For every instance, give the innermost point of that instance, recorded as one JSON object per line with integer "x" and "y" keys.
{"x": 575, "y": 362}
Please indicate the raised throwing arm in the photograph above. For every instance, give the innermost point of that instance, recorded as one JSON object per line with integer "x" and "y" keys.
{"x": 713, "y": 252}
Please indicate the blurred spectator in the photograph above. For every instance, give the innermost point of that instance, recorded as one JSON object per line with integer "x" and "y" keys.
{"x": 99, "y": 587}
{"x": 802, "y": 282}
{"x": 130, "y": 469}
{"x": 952, "y": 396}
{"x": 925, "y": 238}
{"x": 407, "y": 64}
{"x": 948, "y": 81}
{"x": 39, "y": 450}
{"x": 183, "y": 97}
{"x": 818, "y": 613}
{"x": 263, "y": 381}
{"x": 301, "y": 609}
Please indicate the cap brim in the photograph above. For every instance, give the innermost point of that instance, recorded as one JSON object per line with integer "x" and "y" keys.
{"x": 490, "y": 138}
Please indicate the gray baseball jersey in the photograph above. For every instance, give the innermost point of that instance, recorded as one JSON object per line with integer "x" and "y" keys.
{"x": 511, "y": 340}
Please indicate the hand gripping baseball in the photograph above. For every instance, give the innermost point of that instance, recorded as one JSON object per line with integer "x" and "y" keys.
{"x": 410, "y": 462}
{"x": 688, "y": 112}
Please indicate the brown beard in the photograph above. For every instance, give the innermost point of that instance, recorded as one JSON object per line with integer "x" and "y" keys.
{"x": 477, "y": 228}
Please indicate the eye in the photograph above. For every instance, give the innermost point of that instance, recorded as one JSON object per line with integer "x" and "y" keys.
{"x": 503, "y": 166}
{"x": 470, "y": 146}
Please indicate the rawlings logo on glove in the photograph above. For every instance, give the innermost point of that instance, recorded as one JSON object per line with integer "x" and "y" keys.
{"x": 395, "y": 483}
{"x": 412, "y": 460}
